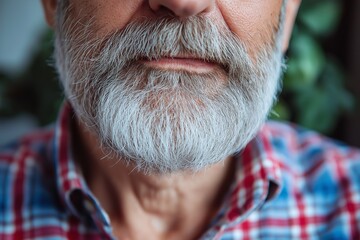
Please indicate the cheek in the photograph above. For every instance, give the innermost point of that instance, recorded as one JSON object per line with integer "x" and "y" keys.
{"x": 108, "y": 15}
{"x": 253, "y": 21}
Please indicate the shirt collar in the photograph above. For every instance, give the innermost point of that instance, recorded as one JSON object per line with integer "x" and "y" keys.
{"x": 73, "y": 190}
{"x": 258, "y": 180}
{"x": 257, "y": 176}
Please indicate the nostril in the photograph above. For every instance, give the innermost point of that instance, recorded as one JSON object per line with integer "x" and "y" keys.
{"x": 166, "y": 11}
{"x": 155, "y": 5}
{"x": 186, "y": 11}
{"x": 181, "y": 8}
{"x": 162, "y": 9}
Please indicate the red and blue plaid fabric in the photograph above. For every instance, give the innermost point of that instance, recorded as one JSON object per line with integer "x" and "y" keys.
{"x": 290, "y": 184}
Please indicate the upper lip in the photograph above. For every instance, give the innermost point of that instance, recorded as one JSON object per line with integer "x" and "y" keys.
{"x": 186, "y": 56}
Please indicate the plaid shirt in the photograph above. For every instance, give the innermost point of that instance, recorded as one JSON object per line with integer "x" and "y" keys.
{"x": 290, "y": 184}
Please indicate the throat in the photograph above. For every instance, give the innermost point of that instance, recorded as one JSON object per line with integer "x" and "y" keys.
{"x": 142, "y": 206}
{"x": 163, "y": 207}
{"x": 155, "y": 211}
{"x": 160, "y": 202}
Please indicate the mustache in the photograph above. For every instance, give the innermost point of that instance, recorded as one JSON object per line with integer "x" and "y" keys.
{"x": 195, "y": 37}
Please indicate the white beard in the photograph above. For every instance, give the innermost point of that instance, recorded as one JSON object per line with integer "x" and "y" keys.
{"x": 168, "y": 121}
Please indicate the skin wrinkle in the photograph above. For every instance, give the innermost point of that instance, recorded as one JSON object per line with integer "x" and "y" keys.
{"x": 243, "y": 16}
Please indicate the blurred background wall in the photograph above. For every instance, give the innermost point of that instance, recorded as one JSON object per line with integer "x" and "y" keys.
{"x": 21, "y": 28}
{"x": 21, "y": 25}
{"x": 321, "y": 87}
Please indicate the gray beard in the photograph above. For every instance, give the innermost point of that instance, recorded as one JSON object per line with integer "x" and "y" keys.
{"x": 166, "y": 121}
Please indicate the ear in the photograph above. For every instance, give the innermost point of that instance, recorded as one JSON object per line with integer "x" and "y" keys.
{"x": 291, "y": 12}
{"x": 49, "y": 7}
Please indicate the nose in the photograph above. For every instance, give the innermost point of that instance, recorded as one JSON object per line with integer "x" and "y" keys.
{"x": 182, "y": 8}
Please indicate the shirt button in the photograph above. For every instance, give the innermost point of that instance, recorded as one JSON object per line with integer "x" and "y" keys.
{"x": 89, "y": 206}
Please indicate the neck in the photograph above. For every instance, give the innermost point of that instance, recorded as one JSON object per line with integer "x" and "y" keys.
{"x": 170, "y": 206}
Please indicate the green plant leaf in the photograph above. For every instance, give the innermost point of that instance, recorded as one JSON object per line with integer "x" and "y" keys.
{"x": 306, "y": 62}
{"x": 315, "y": 110}
{"x": 321, "y": 17}
{"x": 333, "y": 80}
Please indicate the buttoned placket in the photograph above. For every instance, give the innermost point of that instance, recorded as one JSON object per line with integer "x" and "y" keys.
{"x": 99, "y": 217}
{"x": 85, "y": 207}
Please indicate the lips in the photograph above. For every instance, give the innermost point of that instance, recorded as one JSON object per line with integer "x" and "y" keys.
{"x": 187, "y": 63}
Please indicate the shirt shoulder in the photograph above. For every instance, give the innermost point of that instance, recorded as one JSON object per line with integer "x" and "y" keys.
{"x": 313, "y": 160}
{"x": 27, "y": 193}
{"x": 30, "y": 152}
{"x": 39, "y": 187}
{"x": 320, "y": 183}
{"x": 302, "y": 150}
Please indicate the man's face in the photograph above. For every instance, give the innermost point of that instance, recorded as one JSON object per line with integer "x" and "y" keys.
{"x": 170, "y": 85}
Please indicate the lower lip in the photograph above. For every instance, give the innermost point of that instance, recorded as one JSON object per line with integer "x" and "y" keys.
{"x": 188, "y": 64}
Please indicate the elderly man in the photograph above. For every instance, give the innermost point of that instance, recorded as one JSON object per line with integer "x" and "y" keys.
{"x": 163, "y": 134}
